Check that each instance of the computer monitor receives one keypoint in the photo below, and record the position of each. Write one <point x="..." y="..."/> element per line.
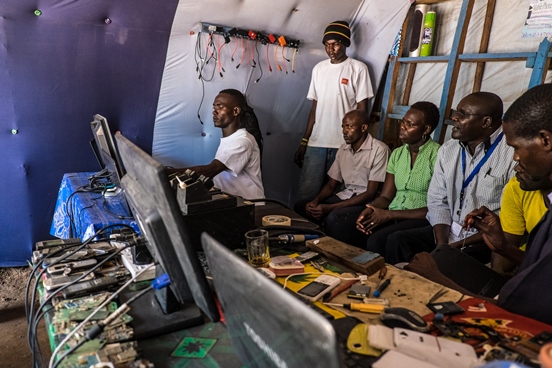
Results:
<point x="105" y="149"/>
<point x="269" y="327"/>
<point x="154" y="206"/>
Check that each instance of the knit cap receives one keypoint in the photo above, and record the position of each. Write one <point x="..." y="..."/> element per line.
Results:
<point x="339" y="31"/>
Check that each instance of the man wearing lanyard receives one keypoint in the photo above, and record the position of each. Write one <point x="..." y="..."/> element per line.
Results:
<point x="471" y="171"/>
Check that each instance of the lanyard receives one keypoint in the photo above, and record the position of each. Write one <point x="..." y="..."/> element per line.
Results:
<point x="477" y="168"/>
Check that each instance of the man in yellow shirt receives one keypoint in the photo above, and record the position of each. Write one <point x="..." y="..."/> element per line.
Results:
<point x="520" y="212"/>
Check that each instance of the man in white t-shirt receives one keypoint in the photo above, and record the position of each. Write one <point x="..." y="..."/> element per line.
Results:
<point x="236" y="168"/>
<point x="338" y="85"/>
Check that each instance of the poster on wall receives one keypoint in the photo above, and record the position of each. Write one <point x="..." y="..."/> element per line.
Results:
<point x="539" y="19"/>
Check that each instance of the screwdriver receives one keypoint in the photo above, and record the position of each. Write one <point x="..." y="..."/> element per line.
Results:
<point x="360" y="307"/>
<point x="381" y="275"/>
<point x="382" y="287"/>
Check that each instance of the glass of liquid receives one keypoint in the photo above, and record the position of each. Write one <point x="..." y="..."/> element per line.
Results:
<point x="257" y="248"/>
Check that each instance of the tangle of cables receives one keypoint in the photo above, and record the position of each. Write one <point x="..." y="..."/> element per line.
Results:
<point x="219" y="46"/>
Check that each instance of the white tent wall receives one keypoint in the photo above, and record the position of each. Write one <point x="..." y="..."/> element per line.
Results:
<point x="507" y="79"/>
<point x="279" y="99"/>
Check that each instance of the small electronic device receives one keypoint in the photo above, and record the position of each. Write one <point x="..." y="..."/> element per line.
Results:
<point x="403" y="318"/>
<point x="446" y="308"/>
<point x="66" y="268"/>
<point x="284" y="266"/>
<point x="56" y="243"/>
<point x="307" y="256"/>
<point x="53" y="282"/>
<point x="318" y="287"/>
<point x="359" y="291"/>
<point x="89" y="286"/>
<point x="267" y="272"/>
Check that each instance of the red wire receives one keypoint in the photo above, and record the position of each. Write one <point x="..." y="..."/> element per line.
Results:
<point x="268" y="59"/>
<point x="276" y="58"/>
<point x="284" y="62"/>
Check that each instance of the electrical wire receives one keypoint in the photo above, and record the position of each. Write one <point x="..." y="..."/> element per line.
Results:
<point x="74" y="331"/>
<point x="293" y="61"/>
<point x="260" y="64"/>
<point x="276" y="57"/>
<point x="29" y="306"/>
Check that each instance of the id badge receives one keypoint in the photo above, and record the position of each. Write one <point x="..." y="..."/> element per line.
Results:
<point x="456" y="229"/>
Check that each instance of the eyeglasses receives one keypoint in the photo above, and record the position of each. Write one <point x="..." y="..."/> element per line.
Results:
<point x="463" y="115"/>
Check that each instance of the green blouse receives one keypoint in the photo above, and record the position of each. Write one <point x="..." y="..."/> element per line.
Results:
<point x="412" y="184"/>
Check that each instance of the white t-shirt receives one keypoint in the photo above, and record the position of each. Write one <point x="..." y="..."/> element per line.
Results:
<point x="240" y="153"/>
<point x="337" y="88"/>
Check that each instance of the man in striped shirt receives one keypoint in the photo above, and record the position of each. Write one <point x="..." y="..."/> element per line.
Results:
<point x="471" y="171"/>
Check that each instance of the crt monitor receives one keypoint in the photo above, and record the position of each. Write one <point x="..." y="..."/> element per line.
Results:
<point x="104" y="146"/>
<point x="154" y="206"/>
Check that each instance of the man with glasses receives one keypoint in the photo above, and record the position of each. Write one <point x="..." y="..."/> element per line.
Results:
<point x="471" y="171"/>
<point x="338" y="85"/>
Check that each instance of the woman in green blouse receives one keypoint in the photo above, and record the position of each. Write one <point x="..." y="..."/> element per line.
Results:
<point x="403" y="199"/>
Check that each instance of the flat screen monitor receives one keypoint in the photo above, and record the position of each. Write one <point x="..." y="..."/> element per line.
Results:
<point x="154" y="206"/>
<point x="104" y="147"/>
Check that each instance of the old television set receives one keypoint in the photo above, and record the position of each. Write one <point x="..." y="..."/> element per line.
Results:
<point x="105" y="150"/>
<point x="154" y="206"/>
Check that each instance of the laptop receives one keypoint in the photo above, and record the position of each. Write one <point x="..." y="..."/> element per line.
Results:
<point x="468" y="272"/>
<point x="268" y="326"/>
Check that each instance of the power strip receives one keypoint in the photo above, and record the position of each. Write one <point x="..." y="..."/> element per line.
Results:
<point x="149" y="274"/>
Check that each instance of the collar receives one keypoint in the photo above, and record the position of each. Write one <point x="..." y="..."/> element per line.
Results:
<point x="487" y="143"/>
<point x="366" y="145"/>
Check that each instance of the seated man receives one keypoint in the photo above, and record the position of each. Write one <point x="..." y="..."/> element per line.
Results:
<point x="470" y="172"/>
<point x="359" y="164"/>
<point x="528" y="129"/>
<point x="520" y="212"/>
<point x="236" y="168"/>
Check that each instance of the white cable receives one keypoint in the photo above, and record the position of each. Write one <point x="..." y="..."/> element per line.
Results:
<point x="70" y="335"/>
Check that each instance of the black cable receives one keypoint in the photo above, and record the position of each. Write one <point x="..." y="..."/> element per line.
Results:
<point x="120" y="217"/>
<point x="30" y="318"/>
<point x="260" y="64"/>
<point x="97" y="329"/>
<point x="47" y="300"/>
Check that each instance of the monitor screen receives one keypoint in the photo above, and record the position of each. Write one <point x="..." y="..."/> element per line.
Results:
<point x="154" y="206"/>
<point x="104" y="147"/>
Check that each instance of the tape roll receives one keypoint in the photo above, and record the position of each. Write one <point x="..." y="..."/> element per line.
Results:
<point x="272" y="220"/>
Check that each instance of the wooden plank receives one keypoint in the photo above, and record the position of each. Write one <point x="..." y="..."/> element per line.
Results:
<point x="484" y="45"/>
<point x="408" y="86"/>
<point x="451" y="75"/>
<point x="542" y="62"/>
<point x="347" y="255"/>
<point x="424" y="59"/>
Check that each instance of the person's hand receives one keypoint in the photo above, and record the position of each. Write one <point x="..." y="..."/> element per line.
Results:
<point x="319" y="211"/>
<point x="488" y="225"/>
<point x="424" y="265"/>
<point x="363" y="221"/>
<point x="299" y="155"/>
<point x="372" y="217"/>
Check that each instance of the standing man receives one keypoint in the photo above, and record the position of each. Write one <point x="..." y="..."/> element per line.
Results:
<point x="360" y="166"/>
<point x="471" y="171"/>
<point x="338" y="85"/>
<point x="236" y="168"/>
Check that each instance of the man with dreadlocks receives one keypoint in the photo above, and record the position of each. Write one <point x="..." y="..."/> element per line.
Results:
<point x="236" y="168"/>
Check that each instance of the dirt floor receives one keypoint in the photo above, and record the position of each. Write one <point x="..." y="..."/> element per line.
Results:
<point x="14" y="349"/>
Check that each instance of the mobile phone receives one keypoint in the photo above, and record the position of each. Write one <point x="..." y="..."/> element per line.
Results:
<point x="318" y="287"/>
<point x="306" y="256"/>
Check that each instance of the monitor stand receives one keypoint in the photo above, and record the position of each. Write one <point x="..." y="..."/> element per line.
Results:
<point x="158" y="313"/>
